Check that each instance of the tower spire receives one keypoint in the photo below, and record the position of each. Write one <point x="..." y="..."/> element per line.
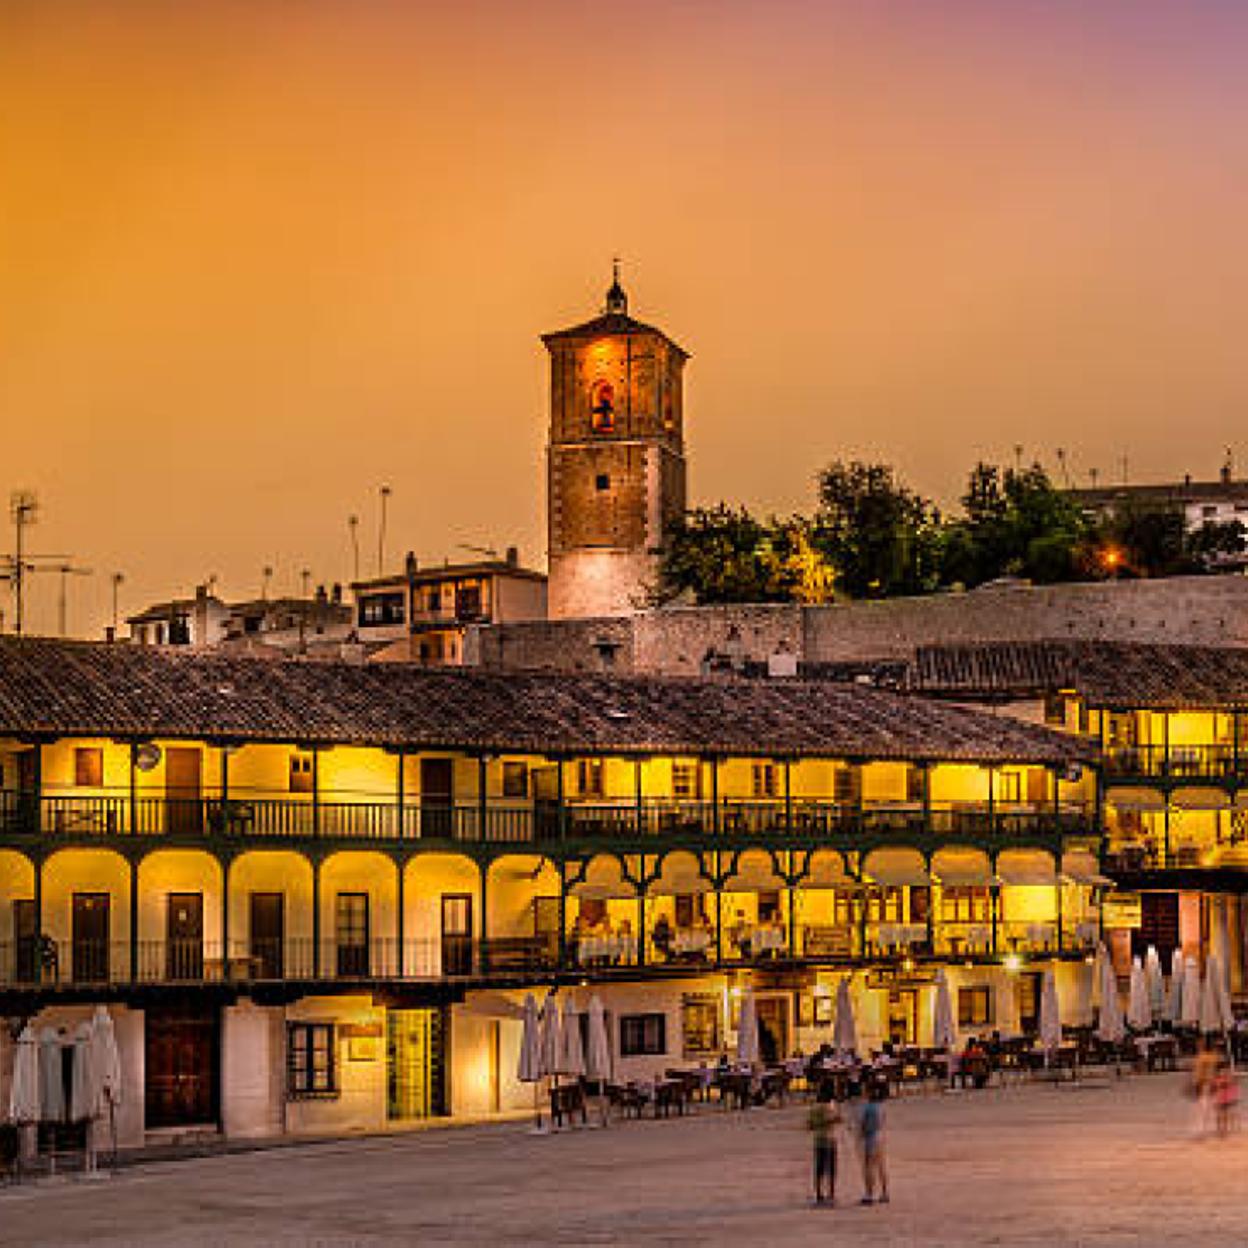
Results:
<point x="617" y="300"/>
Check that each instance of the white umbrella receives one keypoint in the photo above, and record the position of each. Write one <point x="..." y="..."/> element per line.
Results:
<point x="1050" y="1017"/>
<point x="845" y="1032"/>
<point x="84" y="1093"/>
<point x="1110" y="1027"/>
<point x="551" y="1048"/>
<point x="530" y="1070"/>
<point x="1139" y="1010"/>
<point x="1084" y="1008"/>
<point x="24" y="1090"/>
<point x="105" y="1063"/>
<point x="1224" y="997"/>
<point x="747" y="1031"/>
<point x="1098" y="975"/>
<point x="1210" y="1007"/>
<point x="1191" y="993"/>
<point x="571" y="1050"/>
<point x="1155" y="982"/>
<point x="944" y="1034"/>
<point x="598" y="1052"/>
<point x="1174" y="998"/>
<point x="51" y="1077"/>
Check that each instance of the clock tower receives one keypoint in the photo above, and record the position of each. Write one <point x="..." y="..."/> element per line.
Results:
<point x="615" y="459"/>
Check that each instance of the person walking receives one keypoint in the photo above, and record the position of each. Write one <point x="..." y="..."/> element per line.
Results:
<point x="823" y="1122"/>
<point x="1200" y="1088"/>
<point x="871" y="1137"/>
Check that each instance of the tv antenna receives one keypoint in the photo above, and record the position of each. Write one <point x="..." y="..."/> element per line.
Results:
<point x="65" y="571"/>
<point x="15" y="568"/>
<point x="487" y="552"/>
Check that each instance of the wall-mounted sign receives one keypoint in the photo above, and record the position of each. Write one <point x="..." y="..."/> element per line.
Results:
<point x="1122" y="910"/>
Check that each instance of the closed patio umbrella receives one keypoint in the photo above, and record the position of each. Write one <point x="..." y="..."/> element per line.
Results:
<point x="944" y="1034"/>
<point x="1139" y="1010"/>
<point x="1154" y="981"/>
<point x="1191" y="993"/>
<point x="845" y="1032"/>
<point x="1085" y="1011"/>
<point x="530" y="1066"/>
<point x="551" y="1048"/>
<point x="1224" y="997"/>
<point x="1050" y="1016"/>
<point x="107" y="1090"/>
<point x="24" y="1089"/>
<point x="83" y="1091"/>
<point x="1098" y="974"/>
<point x="106" y="1062"/>
<point x="747" y="1031"/>
<point x="530" y="1069"/>
<point x="571" y="1050"/>
<point x="1210" y="1011"/>
<point x="1110" y="1028"/>
<point x="598" y="1051"/>
<point x="51" y="1077"/>
<point x="1174" y="998"/>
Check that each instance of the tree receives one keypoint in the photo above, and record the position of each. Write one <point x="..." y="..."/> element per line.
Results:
<point x="880" y="536"/>
<point x="1015" y="522"/>
<point x="723" y="555"/>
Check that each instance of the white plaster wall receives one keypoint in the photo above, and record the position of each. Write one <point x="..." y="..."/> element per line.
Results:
<point x="252" y="1068"/>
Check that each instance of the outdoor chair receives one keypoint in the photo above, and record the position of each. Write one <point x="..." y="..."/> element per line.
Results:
<point x="10" y="1151"/>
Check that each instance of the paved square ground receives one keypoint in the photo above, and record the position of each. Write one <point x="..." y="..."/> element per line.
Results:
<point x="1100" y="1164"/>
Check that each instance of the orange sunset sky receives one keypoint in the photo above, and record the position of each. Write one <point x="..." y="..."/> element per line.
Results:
<point x="258" y="258"/>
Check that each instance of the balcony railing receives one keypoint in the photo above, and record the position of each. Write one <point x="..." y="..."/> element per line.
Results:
<point x="1176" y="762"/>
<point x="59" y="965"/>
<point x="517" y="823"/>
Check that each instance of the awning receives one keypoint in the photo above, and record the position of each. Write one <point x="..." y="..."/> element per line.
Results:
<point x="1081" y="867"/>
<point x="1135" y="799"/>
<point x="1026" y="867"/>
<point x="603" y="881"/>
<point x="826" y="869"/>
<point x="960" y="868"/>
<point x="1193" y="798"/>
<point x="755" y="873"/>
<point x="897" y="867"/>
<point x="680" y="874"/>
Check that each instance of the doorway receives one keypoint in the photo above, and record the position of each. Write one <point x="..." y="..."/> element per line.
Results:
<point x="182" y="1060"/>
<point x="90" y="937"/>
<point x="351" y="929"/>
<point x="184" y="937"/>
<point x="25" y="941"/>
<point x="456" y="934"/>
<point x="415" y="1079"/>
<point x="1029" y="987"/>
<point x="183" y="778"/>
<point x="437" y="789"/>
<point x="903" y="1016"/>
<point x="773" y="1028"/>
<point x="268" y="929"/>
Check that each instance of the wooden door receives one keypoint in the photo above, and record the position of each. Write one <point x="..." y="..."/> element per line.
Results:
<point x="183" y="776"/>
<point x="268" y="931"/>
<point x="25" y="941"/>
<point x="352" y="931"/>
<point x="1029" y="987"/>
<point x="184" y="937"/>
<point x="437" y="789"/>
<point x="182" y="1059"/>
<point x="90" y="937"/>
<point x="456" y="934"/>
<point x="903" y="1016"/>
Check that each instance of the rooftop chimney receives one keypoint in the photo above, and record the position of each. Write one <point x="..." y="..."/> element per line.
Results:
<point x="513" y="556"/>
<point x="1227" y="466"/>
<point x="409" y="563"/>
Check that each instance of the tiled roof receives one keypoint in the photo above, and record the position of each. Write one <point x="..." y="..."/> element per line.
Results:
<point x="1110" y="674"/>
<point x="606" y="325"/>
<point x="91" y="689"/>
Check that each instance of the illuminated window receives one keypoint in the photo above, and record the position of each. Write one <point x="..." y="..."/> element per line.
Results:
<point x="515" y="780"/>
<point x="589" y="779"/>
<point x="699" y="1024"/>
<point x="301" y="773"/>
<point x="602" y="482"/>
<point x="602" y="407"/>
<point x="89" y="767"/>
<point x="643" y="1035"/>
<point x="311" y="1066"/>
<point x="974" y="1007"/>
<point x="686" y="781"/>
<point x="765" y="780"/>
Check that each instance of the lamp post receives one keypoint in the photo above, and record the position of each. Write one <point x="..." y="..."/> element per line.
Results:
<point x="384" y="497"/>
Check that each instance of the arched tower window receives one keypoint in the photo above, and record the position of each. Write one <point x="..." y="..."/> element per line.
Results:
<point x="602" y="407"/>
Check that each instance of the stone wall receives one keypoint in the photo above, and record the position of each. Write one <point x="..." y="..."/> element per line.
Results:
<point x="1195" y="610"/>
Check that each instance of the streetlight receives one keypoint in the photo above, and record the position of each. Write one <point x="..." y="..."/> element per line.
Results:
<point x="117" y="580"/>
<point x="384" y="492"/>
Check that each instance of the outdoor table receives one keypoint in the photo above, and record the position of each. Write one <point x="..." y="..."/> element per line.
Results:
<point x="1158" y="1052"/>
<point x="566" y="1100"/>
<point x="669" y="1094"/>
<point x="735" y="1087"/>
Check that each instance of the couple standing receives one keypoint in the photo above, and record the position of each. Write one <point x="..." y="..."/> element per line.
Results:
<point x="825" y="1122"/>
